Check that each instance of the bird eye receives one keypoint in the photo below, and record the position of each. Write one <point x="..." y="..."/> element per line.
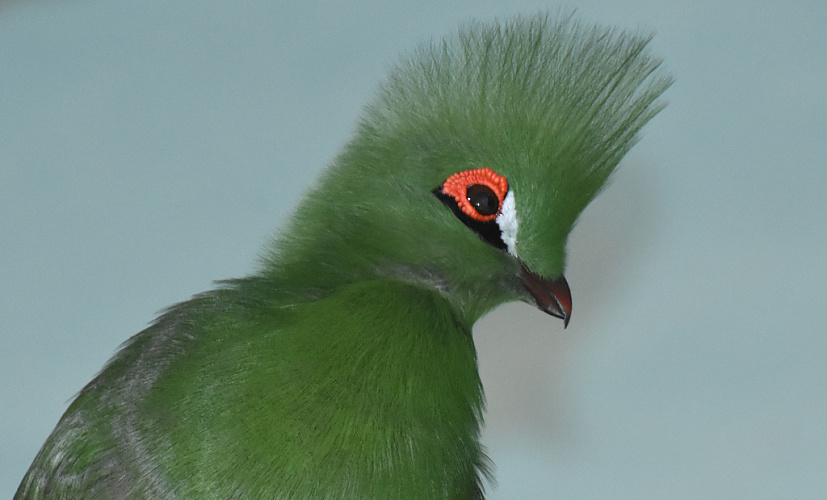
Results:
<point x="483" y="199"/>
<point x="477" y="197"/>
<point x="477" y="193"/>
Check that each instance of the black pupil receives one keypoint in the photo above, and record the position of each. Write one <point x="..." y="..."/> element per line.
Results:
<point x="483" y="199"/>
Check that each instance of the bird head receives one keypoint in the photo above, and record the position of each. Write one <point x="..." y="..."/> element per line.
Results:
<point x="470" y="168"/>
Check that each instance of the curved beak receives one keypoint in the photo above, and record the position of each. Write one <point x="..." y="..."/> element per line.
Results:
<point x="552" y="296"/>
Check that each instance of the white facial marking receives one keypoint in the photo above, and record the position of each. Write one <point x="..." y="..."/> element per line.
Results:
<point x="507" y="220"/>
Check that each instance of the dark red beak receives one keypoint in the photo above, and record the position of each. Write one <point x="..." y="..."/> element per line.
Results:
<point x="552" y="296"/>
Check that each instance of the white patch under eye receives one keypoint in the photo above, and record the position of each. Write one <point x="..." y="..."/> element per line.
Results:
<point x="507" y="220"/>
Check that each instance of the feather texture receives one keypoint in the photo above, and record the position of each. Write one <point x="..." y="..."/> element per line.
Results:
<point x="345" y="367"/>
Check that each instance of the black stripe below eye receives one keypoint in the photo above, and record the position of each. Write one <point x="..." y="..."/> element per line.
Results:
<point x="489" y="231"/>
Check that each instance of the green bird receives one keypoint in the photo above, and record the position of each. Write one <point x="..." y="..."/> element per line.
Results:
<point x="345" y="367"/>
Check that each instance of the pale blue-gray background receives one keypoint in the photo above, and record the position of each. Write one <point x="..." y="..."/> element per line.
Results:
<point x="149" y="147"/>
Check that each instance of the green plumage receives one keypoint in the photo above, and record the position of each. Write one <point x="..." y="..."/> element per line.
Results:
<point x="345" y="367"/>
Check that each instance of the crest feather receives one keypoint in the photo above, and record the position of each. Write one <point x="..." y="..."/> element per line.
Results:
<point x="559" y="92"/>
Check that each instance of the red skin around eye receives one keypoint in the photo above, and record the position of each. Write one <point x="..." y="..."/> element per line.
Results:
<point x="457" y="186"/>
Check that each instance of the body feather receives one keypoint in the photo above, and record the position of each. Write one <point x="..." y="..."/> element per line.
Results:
<point x="345" y="367"/>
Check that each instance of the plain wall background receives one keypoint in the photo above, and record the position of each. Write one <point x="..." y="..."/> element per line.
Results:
<point x="150" y="147"/>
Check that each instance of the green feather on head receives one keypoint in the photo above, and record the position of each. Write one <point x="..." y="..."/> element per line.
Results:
<point x="345" y="367"/>
<point x="552" y="106"/>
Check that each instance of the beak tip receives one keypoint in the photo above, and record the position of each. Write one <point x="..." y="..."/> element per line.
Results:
<point x="560" y="312"/>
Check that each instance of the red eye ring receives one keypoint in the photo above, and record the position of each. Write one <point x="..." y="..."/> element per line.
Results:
<point x="457" y="187"/>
